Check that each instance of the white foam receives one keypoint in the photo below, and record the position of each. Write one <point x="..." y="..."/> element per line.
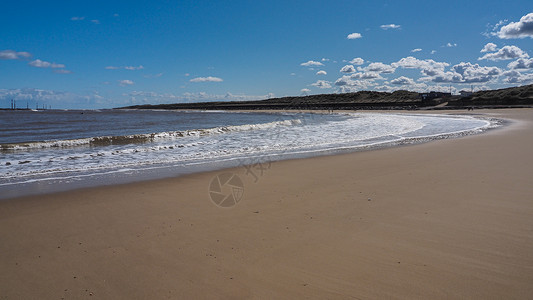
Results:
<point x="302" y="135"/>
<point x="151" y="137"/>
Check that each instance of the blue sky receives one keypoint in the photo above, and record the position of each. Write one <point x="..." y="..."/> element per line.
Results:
<point x="102" y="54"/>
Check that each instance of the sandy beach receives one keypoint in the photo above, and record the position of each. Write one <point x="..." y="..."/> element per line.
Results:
<point x="449" y="219"/>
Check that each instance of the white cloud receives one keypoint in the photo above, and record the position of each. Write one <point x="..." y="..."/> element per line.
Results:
<point x="206" y="79"/>
<point x="62" y="71"/>
<point x="390" y="26"/>
<point x="465" y="72"/>
<point x="311" y="63"/>
<point x="475" y="73"/>
<point x="347" y="84"/>
<point x="427" y="67"/>
<point x="57" y="99"/>
<point x="521" y="63"/>
<point x="402" y="80"/>
<point x="353" y="36"/>
<point x="433" y="51"/>
<point x="348" y="69"/>
<point x="517" y="77"/>
<point x="505" y="53"/>
<point x="493" y="31"/>
<point x="378" y="67"/>
<point x="451" y="45"/>
<point x="10" y="54"/>
<point x="76" y="18"/>
<point x="141" y="97"/>
<point x="357" y="61"/>
<point x="323" y="84"/>
<point x="44" y="64"/>
<point x="321" y="72"/>
<point x="125" y="82"/>
<point x="134" y="68"/>
<point x="489" y="47"/>
<point x="366" y="75"/>
<point x="153" y="75"/>
<point x="325" y="59"/>
<point x="520" y="29"/>
<point x="305" y="91"/>
<point x="131" y="68"/>
<point x="416" y="50"/>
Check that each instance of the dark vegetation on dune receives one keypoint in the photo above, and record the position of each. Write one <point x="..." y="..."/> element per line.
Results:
<point x="509" y="97"/>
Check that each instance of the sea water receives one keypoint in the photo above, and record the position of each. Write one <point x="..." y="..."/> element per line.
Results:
<point x="46" y="151"/>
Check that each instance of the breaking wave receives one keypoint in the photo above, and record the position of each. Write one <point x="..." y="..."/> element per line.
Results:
<point x="143" y="138"/>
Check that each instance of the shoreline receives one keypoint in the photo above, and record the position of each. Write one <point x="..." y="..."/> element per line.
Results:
<point x="445" y="219"/>
<point x="130" y="175"/>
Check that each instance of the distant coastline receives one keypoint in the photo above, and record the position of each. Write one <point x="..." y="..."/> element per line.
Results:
<point x="513" y="97"/>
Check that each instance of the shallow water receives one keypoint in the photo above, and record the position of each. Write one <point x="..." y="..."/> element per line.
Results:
<point x="56" y="150"/>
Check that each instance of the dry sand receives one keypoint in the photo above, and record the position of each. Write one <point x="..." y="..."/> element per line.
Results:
<point x="448" y="219"/>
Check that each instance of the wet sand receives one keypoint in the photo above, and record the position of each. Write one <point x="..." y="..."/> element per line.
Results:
<point x="443" y="220"/>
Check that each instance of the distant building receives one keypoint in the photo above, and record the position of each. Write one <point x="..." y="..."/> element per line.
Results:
<point x="434" y="95"/>
<point x="465" y="93"/>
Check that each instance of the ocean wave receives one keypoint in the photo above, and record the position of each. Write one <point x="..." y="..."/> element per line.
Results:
<point x="143" y="138"/>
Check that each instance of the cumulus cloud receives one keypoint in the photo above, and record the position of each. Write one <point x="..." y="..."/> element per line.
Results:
<point x="10" y="55"/>
<point x="366" y="75"/>
<point x="517" y="77"/>
<point x="427" y="67"/>
<point x="390" y="26"/>
<point x="402" y="80"/>
<point x="416" y="50"/>
<point x="521" y="63"/>
<point x="348" y="69"/>
<point x="489" y="47"/>
<point x="44" y="64"/>
<point x="305" y="91"/>
<point x="378" y="67"/>
<point x="465" y="72"/>
<point x="323" y="84"/>
<point x="417" y="87"/>
<point x="357" y="61"/>
<point x="520" y="29"/>
<point x="505" y="53"/>
<point x="475" y="73"/>
<point x="433" y="51"/>
<point x="311" y="63"/>
<point x="125" y="82"/>
<point x="348" y="84"/>
<point x="451" y="45"/>
<point x="353" y="36"/>
<point x="206" y="79"/>
<point x="321" y="72"/>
